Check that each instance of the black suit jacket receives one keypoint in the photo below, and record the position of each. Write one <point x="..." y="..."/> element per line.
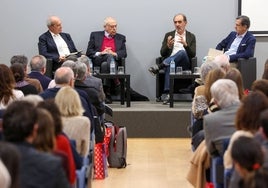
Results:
<point x="96" y="40"/>
<point x="47" y="47"/>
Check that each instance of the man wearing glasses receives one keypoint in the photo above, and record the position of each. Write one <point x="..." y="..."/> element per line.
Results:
<point x="103" y="46"/>
<point x="239" y="43"/>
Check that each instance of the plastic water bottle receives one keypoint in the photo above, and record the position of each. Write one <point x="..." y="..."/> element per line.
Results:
<point x="112" y="66"/>
<point x="172" y="67"/>
<point x="91" y="65"/>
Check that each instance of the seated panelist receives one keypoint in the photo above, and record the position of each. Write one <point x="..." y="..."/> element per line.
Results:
<point x="54" y="44"/>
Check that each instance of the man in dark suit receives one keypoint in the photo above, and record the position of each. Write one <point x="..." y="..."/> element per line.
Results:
<point x="37" y="169"/>
<point x="178" y="45"/>
<point x="103" y="46"/>
<point x="38" y="69"/>
<point x="239" y="43"/>
<point x="54" y="44"/>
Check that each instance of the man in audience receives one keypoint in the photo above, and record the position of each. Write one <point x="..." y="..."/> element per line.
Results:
<point x="239" y="43"/>
<point x="24" y="61"/>
<point x="91" y="80"/>
<point x="178" y="45"/>
<point x="103" y="46"/>
<point x="54" y="44"/>
<point x="38" y="69"/>
<point x="36" y="169"/>
<point x="220" y="124"/>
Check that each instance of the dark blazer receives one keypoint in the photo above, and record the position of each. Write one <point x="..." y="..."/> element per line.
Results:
<point x="245" y="49"/>
<point x="44" y="80"/>
<point x="190" y="48"/>
<point x="47" y="47"/>
<point x="95" y="43"/>
<point x="39" y="169"/>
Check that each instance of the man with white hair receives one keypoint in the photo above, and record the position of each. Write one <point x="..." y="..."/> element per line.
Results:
<point x="220" y="124"/>
<point x="103" y="46"/>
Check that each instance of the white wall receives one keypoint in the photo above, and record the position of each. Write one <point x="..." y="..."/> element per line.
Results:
<point x="144" y="22"/>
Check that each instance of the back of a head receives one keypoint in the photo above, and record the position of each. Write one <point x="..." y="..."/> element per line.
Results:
<point x="265" y="71"/>
<point x="34" y="99"/>
<point x="81" y="69"/>
<point x="260" y="85"/>
<point x="222" y="61"/>
<point x="69" y="102"/>
<point x="18" y="121"/>
<point x="235" y="75"/>
<point x="84" y="59"/>
<point x="205" y="68"/>
<point x="38" y="63"/>
<point x="18" y="72"/>
<point x="225" y="92"/>
<point x="247" y="116"/>
<point x="63" y="75"/>
<point x="19" y="59"/>
<point x="264" y="122"/>
<point x="7" y="83"/>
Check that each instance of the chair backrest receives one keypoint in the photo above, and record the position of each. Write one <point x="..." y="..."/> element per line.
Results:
<point x="247" y="67"/>
<point x="49" y="71"/>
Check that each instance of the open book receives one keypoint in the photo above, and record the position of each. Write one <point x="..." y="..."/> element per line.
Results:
<point x="74" y="53"/>
<point x="212" y="53"/>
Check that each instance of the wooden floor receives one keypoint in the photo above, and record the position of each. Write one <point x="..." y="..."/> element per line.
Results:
<point x="152" y="163"/>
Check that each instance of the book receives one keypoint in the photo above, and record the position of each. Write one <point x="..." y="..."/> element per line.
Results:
<point x="74" y="53"/>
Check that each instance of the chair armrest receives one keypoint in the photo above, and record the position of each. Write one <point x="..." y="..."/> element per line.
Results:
<point x="247" y="67"/>
<point x="193" y="63"/>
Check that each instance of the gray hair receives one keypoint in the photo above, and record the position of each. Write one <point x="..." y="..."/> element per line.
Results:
<point x="81" y="69"/>
<point x="225" y="92"/>
<point x="38" y="62"/>
<point x="84" y="59"/>
<point x="108" y="20"/>
<point x="222" y="61"/>
<point x="205" y="68"/>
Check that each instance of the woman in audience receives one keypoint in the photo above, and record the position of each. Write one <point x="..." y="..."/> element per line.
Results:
<point x="247" y="121"/>
<point x="45" y="140"/>
<point x="62" y="143"/>
<point x="260" y="85"/>
<point x="9" y="155"/>
<point x="75" y="125"/>
<point x="21" y="83"/>
<point x="8" y="93"/>
<point x="248" y="158"/>
<point x="235" y="75"/>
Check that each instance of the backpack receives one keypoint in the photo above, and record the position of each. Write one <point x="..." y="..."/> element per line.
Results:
<point x="118" y="146"/>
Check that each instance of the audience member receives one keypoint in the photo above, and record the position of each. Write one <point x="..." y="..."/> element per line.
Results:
<point x="220" y="124"/>
<point x="45" y="141"/>
<point x="92" y="92"/>
<point x="178" y="45"/>
<point x="24" y="61"/>
<point x="10" y="157"/>
<point x="63" y="143"/>
<point x="103" y="46"/>
<point x="36" y="169"/>
<point x="76" y="126"/>
<point x="91" y="80"/>
<point x="38" y="70"/>
<point x="248" y="158"/>
<point x="260" y="85"/>
<point x="235" y="75"/>
<point x="54" y="44"/>
<point x="21" y="83"/>
<point x="34" y="99"/>
<point x="246" y="121"/>
<point x="239" y="43"/>
<point x="7" y="84"/>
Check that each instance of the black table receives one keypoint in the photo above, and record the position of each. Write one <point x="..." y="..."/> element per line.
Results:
<point x="125" y="82"/>
<point x="172" y="77"/>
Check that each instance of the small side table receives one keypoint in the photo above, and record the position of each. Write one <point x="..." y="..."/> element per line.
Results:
<point x="123" y="77"/>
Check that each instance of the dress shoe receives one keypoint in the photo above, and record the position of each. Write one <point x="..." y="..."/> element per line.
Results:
<point x="153" y="70"/>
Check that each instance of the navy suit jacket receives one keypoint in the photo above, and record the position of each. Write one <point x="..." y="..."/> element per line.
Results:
<point x="44" y="80"/>
<point x="47" y="47"/>
<point x="245" y="49"/>
<point x="96" y="40"/>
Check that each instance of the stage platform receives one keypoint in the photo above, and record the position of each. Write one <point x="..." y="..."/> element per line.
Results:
<point x="152" y="119"/>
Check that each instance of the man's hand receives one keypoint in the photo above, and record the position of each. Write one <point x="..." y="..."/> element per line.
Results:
<point x="170" y="42"/>
<point x="108" y="50"/>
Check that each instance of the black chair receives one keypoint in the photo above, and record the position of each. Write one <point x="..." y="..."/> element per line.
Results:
<point x="49" y="71"/>
<point x="247" y="67"/>
<point x="160" y="79"/>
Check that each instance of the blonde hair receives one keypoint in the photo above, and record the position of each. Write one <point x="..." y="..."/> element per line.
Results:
<point x="69" y="103"/>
